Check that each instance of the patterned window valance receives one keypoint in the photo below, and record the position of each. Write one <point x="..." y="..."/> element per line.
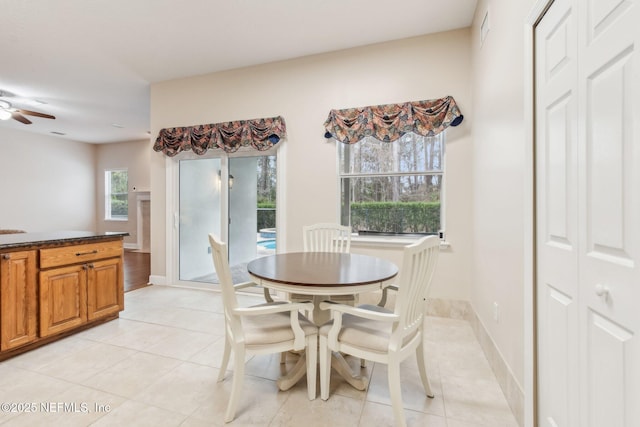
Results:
<point x="260" y="134"/>
<point x="389" y="122"/>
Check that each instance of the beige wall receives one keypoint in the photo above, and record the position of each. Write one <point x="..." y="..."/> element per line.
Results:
<point x="499" y="176"/>
<point x="52" y="184"/>
<point x="48" y="183"/>
<point x="303" y="91"/>
<point x="133" y="156"/>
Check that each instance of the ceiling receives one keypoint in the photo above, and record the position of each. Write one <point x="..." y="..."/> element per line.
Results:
<point x="90" y="62"/>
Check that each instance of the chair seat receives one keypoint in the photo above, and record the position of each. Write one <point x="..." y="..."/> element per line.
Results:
<point x="363" y="333"/>
<point x="273" y="328"/>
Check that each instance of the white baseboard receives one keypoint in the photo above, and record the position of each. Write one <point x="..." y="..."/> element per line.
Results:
<point x="454" y="309"/>
<point x="158" y="280"/>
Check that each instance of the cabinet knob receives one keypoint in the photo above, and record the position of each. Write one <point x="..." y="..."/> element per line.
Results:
<point x="6" y="256"/>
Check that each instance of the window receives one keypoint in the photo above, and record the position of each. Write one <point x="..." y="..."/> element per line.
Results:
<point x="392" y="188"/>
<point x="116" y="195"/>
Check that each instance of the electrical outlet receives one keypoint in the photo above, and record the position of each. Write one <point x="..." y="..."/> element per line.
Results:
<point x="496" y="312"/>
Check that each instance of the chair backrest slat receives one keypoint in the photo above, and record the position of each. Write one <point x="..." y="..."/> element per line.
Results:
<point x="419" y="262"/>
<point x="326" y="237"/>
<point x="223" y="271"/>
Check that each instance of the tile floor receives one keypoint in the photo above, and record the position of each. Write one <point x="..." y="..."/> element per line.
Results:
<point x="157" y="366"/>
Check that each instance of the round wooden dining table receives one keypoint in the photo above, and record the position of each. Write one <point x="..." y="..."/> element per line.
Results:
<point x="321" y="275"/>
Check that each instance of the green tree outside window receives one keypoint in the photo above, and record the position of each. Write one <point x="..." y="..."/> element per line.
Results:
<point x="117" y="200"/>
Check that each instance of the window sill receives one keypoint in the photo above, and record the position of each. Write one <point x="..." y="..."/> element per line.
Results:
<point x="116" y="219"/>
<point x="389" y="241"/>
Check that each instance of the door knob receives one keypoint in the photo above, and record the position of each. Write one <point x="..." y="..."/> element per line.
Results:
<point x="602" y="290"/>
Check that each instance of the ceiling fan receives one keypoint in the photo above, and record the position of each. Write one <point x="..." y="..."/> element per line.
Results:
<point x="8" y="111"/>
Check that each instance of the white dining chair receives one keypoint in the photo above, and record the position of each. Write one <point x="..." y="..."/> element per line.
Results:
<point x="261" y="329"/>
<point x="326" y="237"/>
<point x="374" y="333"/>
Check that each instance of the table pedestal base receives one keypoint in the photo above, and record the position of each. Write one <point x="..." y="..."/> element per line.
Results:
<point x="337" y="363"/>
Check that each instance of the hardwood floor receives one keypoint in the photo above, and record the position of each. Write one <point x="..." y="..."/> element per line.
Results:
<point x="137" y="267"/>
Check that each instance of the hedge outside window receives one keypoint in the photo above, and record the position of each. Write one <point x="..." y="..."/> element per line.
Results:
<point x="117" y="195"/>
<point x="392" y="188"/>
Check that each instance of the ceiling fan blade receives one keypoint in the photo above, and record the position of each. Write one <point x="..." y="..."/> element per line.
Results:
<point x="19" y="117"/>
<point x="35" y="113"/>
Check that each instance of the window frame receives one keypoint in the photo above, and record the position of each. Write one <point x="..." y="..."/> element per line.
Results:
<point x="394" y="238"/>
<point x="108" y="194"/>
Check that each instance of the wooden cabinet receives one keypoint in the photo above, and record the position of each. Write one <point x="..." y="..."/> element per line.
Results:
<point x="105" y="288"/>
<point x="90" y="288"/>
<point x="63" y="295"/>
<point x="76" y="254"/>
<point x="52" y="285"/>
<point x="18" y="275"/>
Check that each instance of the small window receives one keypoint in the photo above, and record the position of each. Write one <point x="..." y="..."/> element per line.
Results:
<point x="116" y="195"/>
<point x="392" y="188"/>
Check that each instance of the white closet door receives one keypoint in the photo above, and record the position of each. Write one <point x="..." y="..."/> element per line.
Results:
<point x="557" y="215"/>
<point x="588" y="213"/>
<point x="609" y="211"/>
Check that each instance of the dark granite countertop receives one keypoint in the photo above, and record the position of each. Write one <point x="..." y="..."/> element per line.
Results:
<point x="11" y="241"/>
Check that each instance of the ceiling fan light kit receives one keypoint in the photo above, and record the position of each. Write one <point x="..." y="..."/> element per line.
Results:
<point x="7" y="111"/>
<point x="4" y="113"/>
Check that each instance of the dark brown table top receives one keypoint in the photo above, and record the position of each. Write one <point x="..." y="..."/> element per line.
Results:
<point x="322" y="269"/>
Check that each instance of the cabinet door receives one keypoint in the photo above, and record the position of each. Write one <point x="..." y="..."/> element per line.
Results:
<point x="105" y="288"/>
<point x="63" y="299"/>
<point x="18" y="296"/>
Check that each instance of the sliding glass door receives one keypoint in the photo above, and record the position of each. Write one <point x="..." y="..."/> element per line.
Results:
<point x="200" y="213"/>
<point x="235" y="198"/>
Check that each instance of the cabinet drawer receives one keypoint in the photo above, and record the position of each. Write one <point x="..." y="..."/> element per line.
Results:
<point x="54" y="257"/>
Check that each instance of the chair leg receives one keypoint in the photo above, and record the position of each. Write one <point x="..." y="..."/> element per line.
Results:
<point x="312" y="365"/>
<point x="283" y="357"/>
<point x="395" y="391"/>
<point x="422" y="367"/>
<point x="267" y="295"/>
<point x="236" y="387"/>
<point x="225" y="359"/>
<point x="383" y="299"/>
<point x="325" y="368"/>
